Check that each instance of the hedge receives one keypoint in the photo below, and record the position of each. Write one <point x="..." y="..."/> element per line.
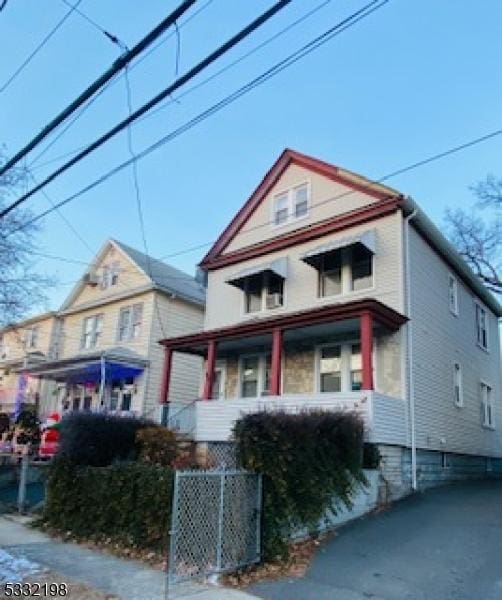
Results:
<point x="129" y="503"/>
<point x="311" y="462"/>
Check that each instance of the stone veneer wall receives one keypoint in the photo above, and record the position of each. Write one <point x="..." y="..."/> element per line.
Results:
<point x="298" y="370"/>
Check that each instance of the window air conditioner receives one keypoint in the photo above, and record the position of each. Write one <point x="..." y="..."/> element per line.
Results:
<point x="91" y="279"/>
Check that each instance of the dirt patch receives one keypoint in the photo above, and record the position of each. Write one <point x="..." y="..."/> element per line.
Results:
<point x="76" y="590"/>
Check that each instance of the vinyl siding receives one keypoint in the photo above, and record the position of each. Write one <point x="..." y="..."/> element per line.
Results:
<point x="440" y="339"/>
<point x="225" y="302"/>
<point x="259" y="226"/>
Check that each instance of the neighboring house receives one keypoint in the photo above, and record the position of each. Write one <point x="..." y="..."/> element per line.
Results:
<point x="107" y="354"/>
<point x="24" y="345"/>
<point x="327" y="290"/>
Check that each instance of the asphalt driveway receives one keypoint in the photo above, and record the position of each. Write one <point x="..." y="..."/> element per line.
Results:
<point x="444" y="544"/>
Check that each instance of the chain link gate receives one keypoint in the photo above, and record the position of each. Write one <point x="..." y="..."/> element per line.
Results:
<point x="215" y="524"/>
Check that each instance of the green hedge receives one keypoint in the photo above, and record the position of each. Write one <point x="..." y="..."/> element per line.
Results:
<point x="310" y="462"/>
<point x="130" y="503"/>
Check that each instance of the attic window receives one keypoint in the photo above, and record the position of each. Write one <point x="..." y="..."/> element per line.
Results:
<point x="291" y="204"/>
<point x="110" y="275"/>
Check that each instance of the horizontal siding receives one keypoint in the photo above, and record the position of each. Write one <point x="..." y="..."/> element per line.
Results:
<point x="225" y="302"/>
<point x="389" y="420"/>
<point x="440" y="339"/>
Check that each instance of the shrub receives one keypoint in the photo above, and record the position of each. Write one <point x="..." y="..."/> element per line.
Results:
<point x="371" y="456"/>
<point x="310" y="462"/>
<point x="157" y="445"/>
<point x="128" y="503"/>
<point x="97" y="439"/>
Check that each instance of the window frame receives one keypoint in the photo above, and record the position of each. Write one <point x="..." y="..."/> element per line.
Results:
<point x="290" y="194"/>
<point x="95" y="333"/>
<point x="262" y="367"/>
<point x="263" y="296"/>
<point x="458" y="372"/>
<point x="221" y="366"/>
<point x="130" y="310"/>
<point x="481" y="309"/>
<point x="455" y="308"/>
<point x="31" y="337"/>
<point x="346" y="365"/>
<point x="490" y="422"/>
<point x="346" y="280"/>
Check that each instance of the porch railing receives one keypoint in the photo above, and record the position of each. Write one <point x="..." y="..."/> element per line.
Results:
<point x="180" y="417"/>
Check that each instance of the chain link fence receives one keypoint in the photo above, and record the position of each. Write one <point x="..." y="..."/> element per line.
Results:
<point x="216" y="521"/>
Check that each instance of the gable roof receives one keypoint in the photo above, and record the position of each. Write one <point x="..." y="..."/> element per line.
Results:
<point x="162" y="276"/>
<point x="288" y="157"/>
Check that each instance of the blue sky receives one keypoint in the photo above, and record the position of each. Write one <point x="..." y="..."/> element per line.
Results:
<point x="411" y="80"/>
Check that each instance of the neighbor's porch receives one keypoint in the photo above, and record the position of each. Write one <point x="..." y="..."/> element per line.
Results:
<point x="324" y="358"/>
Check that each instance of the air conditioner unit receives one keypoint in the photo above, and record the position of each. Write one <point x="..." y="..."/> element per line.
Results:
<point x="91" y="279"/>
<point x="274" y="300"/>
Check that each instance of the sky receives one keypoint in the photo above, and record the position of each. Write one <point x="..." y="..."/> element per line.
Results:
<point x="411" y="80"/>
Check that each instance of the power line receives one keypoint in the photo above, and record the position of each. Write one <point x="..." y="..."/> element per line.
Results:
<point x="198" y="85"/>
<point x="190" y="74"/>
<point x="277" y="68"/>
<point x="117" y="66"/>
<point x="32" y="55"/>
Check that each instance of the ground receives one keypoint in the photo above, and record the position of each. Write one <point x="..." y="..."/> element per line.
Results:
<point x="444" y="544"/>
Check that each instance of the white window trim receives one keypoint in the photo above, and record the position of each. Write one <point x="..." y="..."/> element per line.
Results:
<point x="245" y="314"/>
<point x="262" y="365"/>
<point x="484" y="422"/>
<point x="291" y="205"/>
<point x="485" y="310"/>
<point x="460" y="403"/>
<point x="221" y="365"/>
<point x="445" y="463"/>
<point x="345" y="355"/>
<point x="347" y="290"/>
<point x="94" y="338"/>
<point x="130" y="324"/>
<point x="453" y="309"/>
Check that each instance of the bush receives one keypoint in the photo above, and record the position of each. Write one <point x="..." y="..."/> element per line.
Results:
<point x="128" y="503"/>
<point x="310" y="462"/>
<point x="97" y="439"/>
<point x="371" y="456"/>
<point x="157" y="445"/>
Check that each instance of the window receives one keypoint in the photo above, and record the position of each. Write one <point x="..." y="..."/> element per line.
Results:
<point x="250" y="377"/>
<point x="345" y="267"/>
<point x="130" y="318"/>
<point x="486" y="405"/>
<point x="301" y="200"/>
<point x="356" y="372"/>
<point x="445" y="463"/>
<point x="31" y="337"/>
<point x="291" y="205"/>
<point x="218" y="391"/>
<point x="330" y="369"/>
<point x="110" y="275"/>
<point x="3" y="348"/>
<point x="453" y="294"/>
<point x="330" y="274"/>
<point x="281" y="209"/>
<point x="481" y="327"/>
<point x="263" y="291"/>
<point x="87" y="402"/>
<point x="457" y="385"/>
<point x="92" y="330"/>
<point x="362" y="275"/>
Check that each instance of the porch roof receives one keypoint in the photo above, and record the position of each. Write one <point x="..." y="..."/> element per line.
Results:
<point x="382" y="314"/>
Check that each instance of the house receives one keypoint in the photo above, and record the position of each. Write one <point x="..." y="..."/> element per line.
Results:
<point x="104" y="353"/>
<point x="327" y="290"/>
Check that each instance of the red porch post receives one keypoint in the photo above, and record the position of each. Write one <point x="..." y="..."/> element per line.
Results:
<point x="275" y="367"/>
<point x="209" y="372"/>
<point x="166" y="375"/>
<point x="366" y="324"/>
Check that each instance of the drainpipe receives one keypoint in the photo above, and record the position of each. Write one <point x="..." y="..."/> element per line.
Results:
<point x="102" y="383"/>
<point x="409" y="336"/>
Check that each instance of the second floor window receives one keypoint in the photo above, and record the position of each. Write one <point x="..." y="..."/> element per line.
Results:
<point x="31" y="337"/>
<point x="486" y="405"/>
<point x="453" y="294"/>
<point x="263" y="291"/>
<point x="92" y="330"/>
<point x="481" y="327"/>
<point x="355" y="262"/>
<point x="130" y="318"/>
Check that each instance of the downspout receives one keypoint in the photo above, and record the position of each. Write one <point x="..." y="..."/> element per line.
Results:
<point x="409" y="339"/>
<point x="102" y="383"/>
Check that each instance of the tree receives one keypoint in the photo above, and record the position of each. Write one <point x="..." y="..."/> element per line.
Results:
<point x="477" y="235"/>
<point x="21" y="287"/>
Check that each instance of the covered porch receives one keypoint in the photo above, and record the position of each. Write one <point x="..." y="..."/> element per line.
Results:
<point x="106" y="381"/>
<point x="325" y="358"/>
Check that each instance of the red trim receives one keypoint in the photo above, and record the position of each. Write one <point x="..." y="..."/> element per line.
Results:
<point x="383" y="314"/>
<point x="366" y="324"/>
<point x="207" y="392"/>
<point x="166" y="375"/>
<point x="275" y="367"/>
<point x="356" y="217"/>
<point x="282" y="163"/>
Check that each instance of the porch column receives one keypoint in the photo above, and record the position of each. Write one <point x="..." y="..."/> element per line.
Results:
<point x="366" y="324"/>
<point x="275" y="366"/>
<point x="166" y="375"/>
<point x="209" y="372"/>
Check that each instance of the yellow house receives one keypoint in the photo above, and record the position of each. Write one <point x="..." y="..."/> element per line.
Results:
<point x="105" y="354"/>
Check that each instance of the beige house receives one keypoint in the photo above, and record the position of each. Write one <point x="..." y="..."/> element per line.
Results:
<point x="330" y="291"/>
<point x="104" y="352"/>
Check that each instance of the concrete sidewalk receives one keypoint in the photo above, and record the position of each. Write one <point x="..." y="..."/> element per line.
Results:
<point x="128" y="579"/>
